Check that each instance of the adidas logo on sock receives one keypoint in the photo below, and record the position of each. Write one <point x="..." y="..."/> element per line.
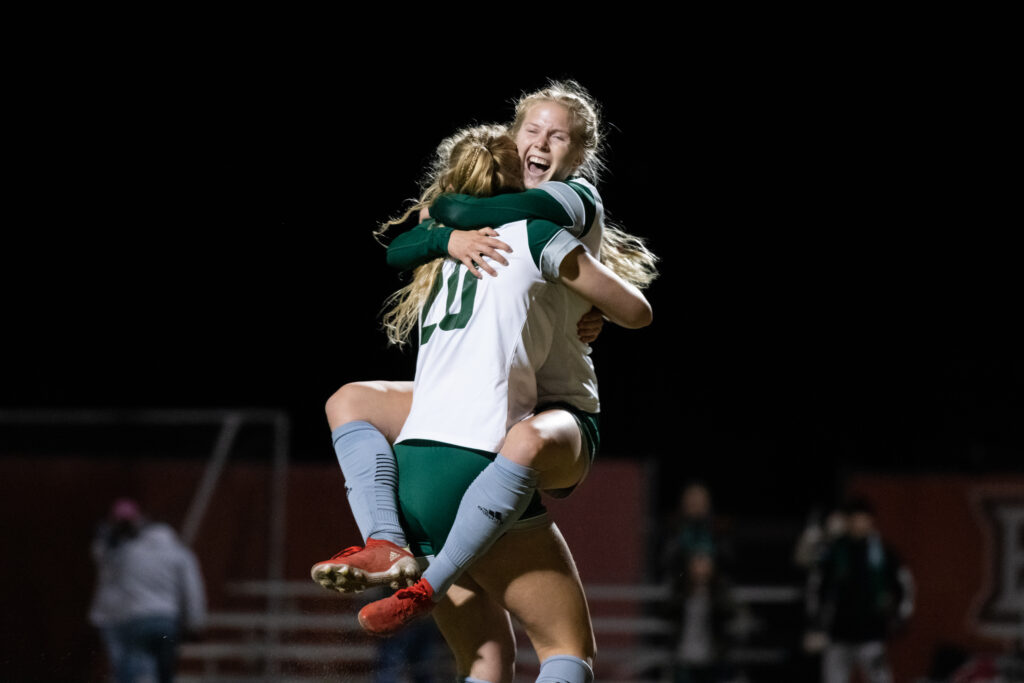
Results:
<point x="394" y="556"/>
<point x="492" y="514"/>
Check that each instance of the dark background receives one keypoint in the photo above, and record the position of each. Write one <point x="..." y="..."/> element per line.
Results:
<point x="837" y="292"/>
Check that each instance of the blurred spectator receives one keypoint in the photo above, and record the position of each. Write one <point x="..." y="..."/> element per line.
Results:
<point x="149" y="594"/>
<point x="701" y="604"/>
<point x="413" y="654"/>
<point x="703" y="612"/>
<point x="816" y="538"/>
<point x="858" y="595"/>
<point x="695" y="529"/>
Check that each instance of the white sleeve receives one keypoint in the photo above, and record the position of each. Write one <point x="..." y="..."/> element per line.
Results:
<point x="555" y="252"/>
<point x="571" y="202"/>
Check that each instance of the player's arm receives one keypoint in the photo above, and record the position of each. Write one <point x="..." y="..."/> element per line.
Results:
<point x="563" y="258"/>
<point x="621" y="302"/>
<point x="428" y="241"/>
<point x="570" y="205"/>
<point x="556" y="202"/>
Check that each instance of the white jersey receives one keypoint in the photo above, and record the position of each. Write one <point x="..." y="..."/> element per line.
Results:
<point x="568" y="373"/>
<point x="482" y="339"/>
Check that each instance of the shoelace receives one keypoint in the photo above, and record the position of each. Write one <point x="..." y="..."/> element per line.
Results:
<point x="414" y="592"/>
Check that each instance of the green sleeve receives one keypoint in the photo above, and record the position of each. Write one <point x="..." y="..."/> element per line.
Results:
<point x="465" y="211"/>
<point x="418" y="246"/>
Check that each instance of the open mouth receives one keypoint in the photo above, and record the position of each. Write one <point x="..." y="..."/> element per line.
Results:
<point x="537" y="165"/>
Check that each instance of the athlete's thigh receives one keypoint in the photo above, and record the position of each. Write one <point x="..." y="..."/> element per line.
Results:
<point x="531" y="573"/>
<point x="550" y="442"/>
<point x="383" y="404"/>
<point x="478" y="631"/>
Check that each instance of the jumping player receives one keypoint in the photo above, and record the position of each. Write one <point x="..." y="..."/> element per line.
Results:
<point x="559" y="440"/>
<point x="495" y="330"/>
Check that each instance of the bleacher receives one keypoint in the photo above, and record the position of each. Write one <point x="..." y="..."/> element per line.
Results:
<point x="298" y="632"/>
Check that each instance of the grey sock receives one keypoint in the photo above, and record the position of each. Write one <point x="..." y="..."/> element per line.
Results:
<point x="492" y="503"/>
<point x="565" y="669"/>
<point x="371" y="480"/>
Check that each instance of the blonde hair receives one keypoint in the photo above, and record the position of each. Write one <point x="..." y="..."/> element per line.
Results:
<point x="584" y="122"/>
<point x="625" y="254"/>
<point x="628" y="256"/>
<point x="479" y="161"/>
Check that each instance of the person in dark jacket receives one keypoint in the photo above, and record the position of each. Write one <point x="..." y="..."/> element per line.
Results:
<point x="859" y="593"/>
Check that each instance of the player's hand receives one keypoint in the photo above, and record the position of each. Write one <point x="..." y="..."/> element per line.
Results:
<point x="590" y="325"/>
<point x="470" y="246"/>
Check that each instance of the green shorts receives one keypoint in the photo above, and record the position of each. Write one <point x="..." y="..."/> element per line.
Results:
<point x="432" y="478"/>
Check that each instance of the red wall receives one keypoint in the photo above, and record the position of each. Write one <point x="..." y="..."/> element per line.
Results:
<point x="937" y="526"/>
<point x="50" y="508"/>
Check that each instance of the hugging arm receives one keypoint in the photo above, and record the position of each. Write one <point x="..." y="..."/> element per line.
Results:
<point x="465" y="211"/>
<point x="428" y="241"/>
<point x="466" y="236"/>
<point x="621" y="302"/>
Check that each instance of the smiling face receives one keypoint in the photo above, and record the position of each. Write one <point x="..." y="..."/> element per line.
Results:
<point x="545" y="144"/>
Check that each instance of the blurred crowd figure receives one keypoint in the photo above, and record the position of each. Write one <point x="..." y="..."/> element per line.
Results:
<point x="701" y="605"/>
<point x="859" y="594"/>
<point x="149" y="594"/>
<point x="413" y="654"/>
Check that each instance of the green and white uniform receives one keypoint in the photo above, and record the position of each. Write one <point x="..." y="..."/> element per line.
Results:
<point x="567" y="376"/>
<point x="482" y="339"/>
<point x="428" y="501"/>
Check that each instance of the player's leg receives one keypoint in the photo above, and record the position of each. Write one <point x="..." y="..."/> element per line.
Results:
<point x="552" y="443"/>
<point x="545" y="451"/>
<point x="492" y="503"/>
<point x="479" y="633"/>
<point x="530" y="572"/>
<point x="383" y="404"/>
<point x="365" y="417"/>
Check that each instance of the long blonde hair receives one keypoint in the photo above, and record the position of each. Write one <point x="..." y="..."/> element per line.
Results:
<point x="625" y="254"/>
<point x="481" y="161"/>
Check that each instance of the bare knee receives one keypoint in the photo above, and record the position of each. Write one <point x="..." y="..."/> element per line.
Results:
<point x="524" y="444"/>
<point x="343" y="405"/>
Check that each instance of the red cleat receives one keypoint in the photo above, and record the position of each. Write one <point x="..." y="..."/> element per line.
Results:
<point x="356" y="569"/>
<point x="387" y="616"/>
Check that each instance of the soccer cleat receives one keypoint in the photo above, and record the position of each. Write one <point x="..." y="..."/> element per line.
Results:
<point x="387" y="616"/>
<point x="355" y="569"/>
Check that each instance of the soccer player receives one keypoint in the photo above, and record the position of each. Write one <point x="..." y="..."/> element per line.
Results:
<point x="556" y="134"/>
<point x="479" y="342"/>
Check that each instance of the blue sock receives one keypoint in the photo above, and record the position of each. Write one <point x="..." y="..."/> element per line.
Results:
<point x="565" y="669"/>
<point x="495" y="499"/>
<point x="371" y="480"/>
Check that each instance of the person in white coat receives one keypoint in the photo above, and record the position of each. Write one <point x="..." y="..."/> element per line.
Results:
<point x="149" y="594"/>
